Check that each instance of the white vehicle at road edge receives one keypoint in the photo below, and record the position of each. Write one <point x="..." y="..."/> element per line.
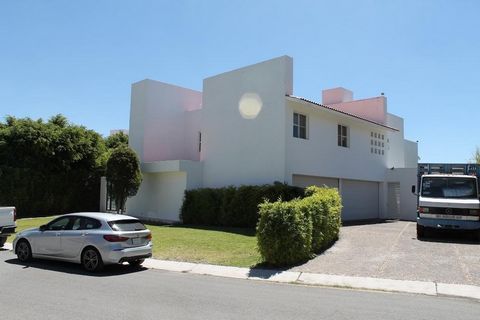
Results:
<point x="92" y="239"/>
<point x="8" y="216"/>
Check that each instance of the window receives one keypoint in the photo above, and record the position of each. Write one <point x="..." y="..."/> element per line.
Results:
<point x="126" y="225"/>
<point x="59" y="224"/>
<point x="342" y="136"/>
<point x="199" y="142"/>
<point x="299" y="126"/>
<point x="83" y="223"/>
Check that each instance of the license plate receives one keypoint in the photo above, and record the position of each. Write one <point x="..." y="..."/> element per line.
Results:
<point x="137" y="241"/>
<point x="448" y="217"/>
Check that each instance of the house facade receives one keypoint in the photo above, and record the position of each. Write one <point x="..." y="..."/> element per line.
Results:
<point x="248" y="127"/>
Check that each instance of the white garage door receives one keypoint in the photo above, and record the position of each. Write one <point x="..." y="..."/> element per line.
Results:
<point x="360" y="200"/>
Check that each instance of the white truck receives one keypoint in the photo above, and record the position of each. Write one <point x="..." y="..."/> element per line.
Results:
<point x="8" y="217"/>
<point x="448" y="197"/>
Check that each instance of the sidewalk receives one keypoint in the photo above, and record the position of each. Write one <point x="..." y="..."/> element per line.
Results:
<point x="305" y="278"/>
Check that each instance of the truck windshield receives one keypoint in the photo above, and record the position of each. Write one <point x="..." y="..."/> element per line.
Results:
<point x="446" y="187"/>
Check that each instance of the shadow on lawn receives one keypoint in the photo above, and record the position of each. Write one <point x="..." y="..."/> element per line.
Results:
<point x="240" y="231"/>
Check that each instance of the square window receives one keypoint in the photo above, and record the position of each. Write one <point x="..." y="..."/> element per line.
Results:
<point x="375" y="134"/>
<point x="382" y="136"/>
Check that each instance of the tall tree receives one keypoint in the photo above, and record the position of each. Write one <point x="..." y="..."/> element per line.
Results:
<point x="49" y="167"/>
<point x="476" y="156"/>
<point x="123" y="175"/>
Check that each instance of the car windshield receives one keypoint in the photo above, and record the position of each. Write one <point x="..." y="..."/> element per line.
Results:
<point x="446" y="187"/>
<point x="127" y="225"/>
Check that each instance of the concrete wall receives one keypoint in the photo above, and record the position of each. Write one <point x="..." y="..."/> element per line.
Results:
<point x="243" y="115"/>
<point x="408" y="201"/>
<point x="164" y="124"/>
<point x="320" y="155"/>
<point x="160" y="197"/>
<point x="374" y="109"/>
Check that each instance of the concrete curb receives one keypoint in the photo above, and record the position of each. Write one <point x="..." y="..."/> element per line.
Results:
<point x="406" y="286"/>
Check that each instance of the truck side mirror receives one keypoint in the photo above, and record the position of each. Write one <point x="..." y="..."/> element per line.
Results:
<point x="413" y="189"/>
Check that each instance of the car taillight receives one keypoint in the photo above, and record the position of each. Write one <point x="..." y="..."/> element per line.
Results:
<point x="114" y="238"/>
<point x="423" y="210"/>
<point x="149" y="236"/>
<point x="14" y="214"/>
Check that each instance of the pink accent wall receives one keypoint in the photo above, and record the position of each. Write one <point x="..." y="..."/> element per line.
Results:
<point x="374" y="109"/>
<point x="336" y="95"/>
<point x="171" y="122"/>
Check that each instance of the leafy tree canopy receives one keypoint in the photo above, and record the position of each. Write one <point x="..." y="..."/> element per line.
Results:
<point x="123" y="175"/>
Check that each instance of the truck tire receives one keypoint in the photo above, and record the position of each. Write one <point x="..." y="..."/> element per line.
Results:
<point x="420" y="231"/>
<point x="2" y="241"/>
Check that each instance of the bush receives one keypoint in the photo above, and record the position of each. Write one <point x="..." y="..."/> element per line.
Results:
<point x="282" y="226"/>
<point x="324" y="207"/>
<point x="284" y="233"/>
<point x="232" y="206"/>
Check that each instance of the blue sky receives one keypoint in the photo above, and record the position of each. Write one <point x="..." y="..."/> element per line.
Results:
<point x="79" y="58"/>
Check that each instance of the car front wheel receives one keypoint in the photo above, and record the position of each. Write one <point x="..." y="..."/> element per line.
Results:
<point x="91" y="260"/>
<point x="23" y="251"/>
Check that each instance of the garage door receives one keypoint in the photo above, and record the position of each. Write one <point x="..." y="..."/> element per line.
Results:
<point x="306" y="181"/>
<point x="360" y="200"/>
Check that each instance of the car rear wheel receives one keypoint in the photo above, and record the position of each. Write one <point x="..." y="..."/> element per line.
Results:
<point x="420" y="231"/>
<point x="2" y="241"/>
<point x="23" y="251"/>
<point x="91" y="260"/>
<point x="136" y="263"/>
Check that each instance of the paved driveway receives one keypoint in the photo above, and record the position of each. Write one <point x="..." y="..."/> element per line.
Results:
<point x="391" y="250"/>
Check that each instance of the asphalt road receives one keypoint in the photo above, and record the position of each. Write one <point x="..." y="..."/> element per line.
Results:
<point x="53" y="290"/>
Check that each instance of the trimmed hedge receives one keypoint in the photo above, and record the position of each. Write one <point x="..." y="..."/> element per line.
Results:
<point x="291" y="232"/>
<point x="284" y="233"/>
<point x="232" y="206"/>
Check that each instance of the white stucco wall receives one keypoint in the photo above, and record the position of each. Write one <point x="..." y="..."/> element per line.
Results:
<point x="320" y="155"/>
<point x="164" y="124"/>
<point x="239" y="150"/>
<point x="408" y="201"/>
<point x="159" y="197"/>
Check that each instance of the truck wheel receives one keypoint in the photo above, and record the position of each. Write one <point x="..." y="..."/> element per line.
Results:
<point x="420" y="231"/>
<point x="2" y="241"/>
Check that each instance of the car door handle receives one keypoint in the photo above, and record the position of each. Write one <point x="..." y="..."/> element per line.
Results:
<point x="58" y="234"/>
<point x="84" y="234"/>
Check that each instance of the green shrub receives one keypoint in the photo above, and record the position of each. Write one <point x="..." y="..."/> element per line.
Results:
<point x="232" y="206"/>
<point x="284" y="233"/>
<point x="324" y="207"/>
<point x="282" y="226"/>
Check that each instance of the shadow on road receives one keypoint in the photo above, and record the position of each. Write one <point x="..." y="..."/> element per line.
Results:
<point x="72" y="268"/>
<point x="451" y="236"/>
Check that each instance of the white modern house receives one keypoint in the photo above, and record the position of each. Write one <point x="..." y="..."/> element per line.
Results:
<point x="248" y="127"/>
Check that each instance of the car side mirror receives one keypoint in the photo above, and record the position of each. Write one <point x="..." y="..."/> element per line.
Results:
<point x="43" y="227"/>
<point x="413" y="189"/>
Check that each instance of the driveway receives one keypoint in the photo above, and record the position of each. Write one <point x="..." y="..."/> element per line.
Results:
<point x="391" y="250"/>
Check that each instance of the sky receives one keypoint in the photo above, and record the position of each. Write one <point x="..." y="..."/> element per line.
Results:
<point x="79" y="58"/>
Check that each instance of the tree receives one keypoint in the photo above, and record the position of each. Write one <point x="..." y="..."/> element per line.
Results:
<point x="116" y="140"/>
<point x="123" y="175"/>
<point x="49" y="167"/>
<point x="476" y="156"/>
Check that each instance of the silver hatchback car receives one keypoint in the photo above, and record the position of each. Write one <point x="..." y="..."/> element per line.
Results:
<point x="90" y="238"/>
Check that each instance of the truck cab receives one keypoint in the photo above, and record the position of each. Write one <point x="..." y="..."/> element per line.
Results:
<point x="448" y="198"/>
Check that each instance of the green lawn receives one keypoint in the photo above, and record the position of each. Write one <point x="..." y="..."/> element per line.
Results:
<point x="223" y="246"/>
